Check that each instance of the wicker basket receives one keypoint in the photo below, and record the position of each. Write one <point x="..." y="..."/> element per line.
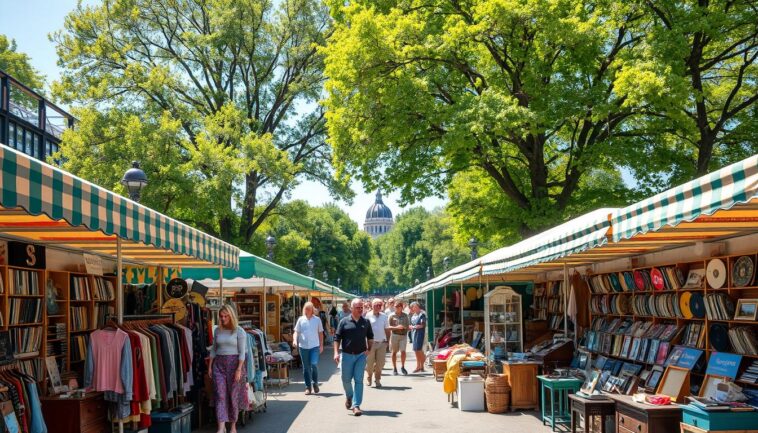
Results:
<point x="496" y="381"/>
<point x="498" y="402"/>
<point x="440" y="368"/>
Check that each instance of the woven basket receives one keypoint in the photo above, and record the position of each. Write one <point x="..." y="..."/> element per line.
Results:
<point x="496" y="381"/>
<point x="498" y="402"/>
<point x="440" y="368"/>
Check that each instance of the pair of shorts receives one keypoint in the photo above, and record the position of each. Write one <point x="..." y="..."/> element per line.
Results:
<point x="398" y="342"/>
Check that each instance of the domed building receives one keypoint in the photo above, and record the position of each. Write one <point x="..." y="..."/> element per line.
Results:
<point x="378" y="218"/>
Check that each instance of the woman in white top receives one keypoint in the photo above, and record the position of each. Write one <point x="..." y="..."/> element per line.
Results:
<point x="309" y="339"/>
<point x="227" y="368"/>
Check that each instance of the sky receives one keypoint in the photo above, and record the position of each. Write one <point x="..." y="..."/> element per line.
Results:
<point x="30" y="22"/>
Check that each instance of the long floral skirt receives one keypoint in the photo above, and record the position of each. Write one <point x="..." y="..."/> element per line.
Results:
<point x="229" y="396"/>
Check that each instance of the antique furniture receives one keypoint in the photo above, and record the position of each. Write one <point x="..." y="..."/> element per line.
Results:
<point x="632" y="417"/>
<point x="558" y="390"/>
<point x="522" y="378"/>
<point x="77" y="415"/>
<point x="589" y="408"/>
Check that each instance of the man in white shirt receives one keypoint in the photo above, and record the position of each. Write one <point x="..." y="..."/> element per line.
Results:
<point x="390" y="307"/>
<point x="378" y="352"/>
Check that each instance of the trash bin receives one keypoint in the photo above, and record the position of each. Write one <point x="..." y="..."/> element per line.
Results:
<point x="471" y="393"/>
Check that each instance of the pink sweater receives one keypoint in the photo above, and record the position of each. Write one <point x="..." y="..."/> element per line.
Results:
<point x="106" y="350"/>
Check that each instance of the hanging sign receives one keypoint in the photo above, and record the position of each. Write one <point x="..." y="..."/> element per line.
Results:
<point x="26" y="255"/>
<point x="175" y="306"/>
<point x="177" y="288"/>
<point x="93" y="264"/>
<point x="148" y="275"/>
<point x="723" y="364"/>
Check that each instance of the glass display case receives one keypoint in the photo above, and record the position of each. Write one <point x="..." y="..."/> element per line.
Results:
<point x="502" y="323"/>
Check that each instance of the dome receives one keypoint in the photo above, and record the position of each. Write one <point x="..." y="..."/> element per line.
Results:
<point x="378" y="209"/>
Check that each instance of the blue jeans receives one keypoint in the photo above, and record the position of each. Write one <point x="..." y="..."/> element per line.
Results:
<point x="309" y="357"/>
<point x="352" y="370"/>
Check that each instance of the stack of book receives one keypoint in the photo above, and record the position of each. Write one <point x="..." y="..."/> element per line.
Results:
<point x="694" y="335"/>
<point x="750" y="375"/>
<point x="743" y="340"/>
<point x="102" y="313"/>
<point x="104" y="290"/>
<point x="24" y="282"/>
<point x="719" y="306"/>
<point x="79" y="318"/>
<point x="25" y="311"/>
<point x="26" y="341"/>
<point x="80" y="290"/>
<point x="79" y="345"/>
<point x="32" y="367"/>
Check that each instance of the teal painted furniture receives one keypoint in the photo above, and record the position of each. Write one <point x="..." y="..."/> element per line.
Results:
<point x="559" y="390"/>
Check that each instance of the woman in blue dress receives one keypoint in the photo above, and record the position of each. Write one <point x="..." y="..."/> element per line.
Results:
<point x="418" y="328"/>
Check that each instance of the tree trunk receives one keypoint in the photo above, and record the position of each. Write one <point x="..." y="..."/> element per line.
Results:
<point x="248" y="206"/>
<point x="704" y="153"/>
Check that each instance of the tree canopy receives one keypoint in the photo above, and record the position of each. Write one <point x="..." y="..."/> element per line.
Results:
<point x="19" y="65"/>
<point x="217" y="96"/>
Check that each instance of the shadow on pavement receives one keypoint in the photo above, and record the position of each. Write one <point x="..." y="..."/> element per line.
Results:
<point x="393" y="388"/>
<point x="385" y="413"/>
<point x="328" y="394"/>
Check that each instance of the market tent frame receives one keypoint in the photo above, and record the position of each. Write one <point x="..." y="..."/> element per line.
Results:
<point x="44" y="205"/>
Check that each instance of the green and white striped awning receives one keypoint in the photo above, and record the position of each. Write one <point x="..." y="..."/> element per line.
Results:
<point x="720" y="190"/>
<point x="44" y="204"/>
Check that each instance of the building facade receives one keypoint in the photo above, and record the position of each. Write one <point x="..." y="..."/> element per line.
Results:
<point x="378" y="218"/>
<point x="30" y="123"/>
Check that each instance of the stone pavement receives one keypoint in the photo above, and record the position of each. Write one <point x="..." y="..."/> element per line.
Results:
<point x="404" y="403"/>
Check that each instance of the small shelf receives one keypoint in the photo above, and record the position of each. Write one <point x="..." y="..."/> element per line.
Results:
<point x="80" y="301"/>
<point x="24" y="296"/>
<point x="26" y="355"/>
<point x="25" y="324"/>
<point x="82" y="330"/>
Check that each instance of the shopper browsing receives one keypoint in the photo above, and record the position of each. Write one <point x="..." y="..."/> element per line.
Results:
<point x="309" y="338"/>
<point x="399" y="323"/>
<point x="378" y="353"/>
<point x="418" y="328"/>
<point x="227" y="368"/>
<point x="354" y="337"/>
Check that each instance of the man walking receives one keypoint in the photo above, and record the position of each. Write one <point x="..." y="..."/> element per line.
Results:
<point x="378" y="353"/>
<point x="355" y="336"/>
<point x="398" y="325"/>
<point x="390" y="307"/>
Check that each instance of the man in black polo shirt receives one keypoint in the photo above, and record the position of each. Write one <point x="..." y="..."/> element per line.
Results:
<point x="355" y="335"/>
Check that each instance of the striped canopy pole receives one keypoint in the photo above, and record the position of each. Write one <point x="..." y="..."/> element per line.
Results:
<point x="221" y="285"/>
<point x="463" y="328"/>
<point x="119" y="288"/>
<point x="565" y="298"/>
<point x="264" y="309"/>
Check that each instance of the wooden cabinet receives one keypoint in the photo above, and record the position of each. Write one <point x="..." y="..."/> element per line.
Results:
<point x="76" y="415"/>
<point x="633" y="417"/>
<point x="522" y="378"/>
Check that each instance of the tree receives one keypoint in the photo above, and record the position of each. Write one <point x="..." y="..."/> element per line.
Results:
<point x="229" y="85"/>
<point x="522" y="92"/>
<point x="325" y="234"/>
<point x="19" y="65"/>
<point x="419" y="240"/>
<point x="703" y="57"/>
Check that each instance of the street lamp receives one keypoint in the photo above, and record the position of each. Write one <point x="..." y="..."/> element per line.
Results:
<point x="134" y="180"/>
<point x="339" y="280"/>
<point x="428" y="274"/>
<point x="311" y="264"/>
<point x="417" y="282"/>
<point x="474" y="244"/>
<point x="446" y="263"/>
<point x="325" y="275"/>
<point x="270" y="244"/>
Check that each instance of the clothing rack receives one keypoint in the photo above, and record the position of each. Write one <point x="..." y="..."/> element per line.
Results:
<point x="144" y="317"/>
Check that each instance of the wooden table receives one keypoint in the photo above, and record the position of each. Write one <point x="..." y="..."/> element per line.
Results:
<point x="522" y="378"/>
<point x="559" y="389"/>
<point x="633" y="417"/>
<point x="589" y="408"/>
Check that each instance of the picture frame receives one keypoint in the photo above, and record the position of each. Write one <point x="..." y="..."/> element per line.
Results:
<point x="54" y="375"/>
<point x="708" y="389"/>
<point x="747" y="309"/>
<point x="654" y="377"/>
<point x="591" y="382"/>
<point x="675" y="383"/>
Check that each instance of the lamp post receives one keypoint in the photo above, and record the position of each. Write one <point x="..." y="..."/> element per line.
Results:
<point x="325" y="275"/>
<point x="417" y="282"/>
<point x="134" y="180"/>
<point x="446" y="263"/>
<point x="270" y="244"/>
<point x="311" y="264"/>
<point x="428" y="273"/>
<point x="339" y="280"/>
<point x="474" y="245"/>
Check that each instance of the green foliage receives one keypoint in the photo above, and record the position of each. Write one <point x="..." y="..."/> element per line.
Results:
<point x="226" y="87"/>
<point x="325" y="234"/>
<point x="19" y="65"/>
<point x="419" y="240"/>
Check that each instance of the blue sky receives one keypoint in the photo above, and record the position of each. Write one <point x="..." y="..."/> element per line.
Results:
<point x="30" y="22"/>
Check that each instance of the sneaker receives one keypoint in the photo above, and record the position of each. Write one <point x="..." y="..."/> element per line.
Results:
<point x="378" y="384"/>
<point x="348" y="403"/>
<point x="316" y="388"/>
<point x="405" y="372"/>
<point x="357" y="411"/>
<point x="394" y="372"/>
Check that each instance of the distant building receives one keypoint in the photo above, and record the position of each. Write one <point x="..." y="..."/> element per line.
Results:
<point x="30" y="123"/>
<point x="378" y="218"/>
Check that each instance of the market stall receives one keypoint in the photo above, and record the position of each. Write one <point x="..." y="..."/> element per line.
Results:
<point x="659" y="294"/>
<point x="66" y="242"/>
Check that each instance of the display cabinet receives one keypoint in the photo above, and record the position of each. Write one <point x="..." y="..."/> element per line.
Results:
<point x="502" y="323"/>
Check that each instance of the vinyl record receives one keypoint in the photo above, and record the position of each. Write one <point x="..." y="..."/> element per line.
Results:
<point x="639" y="280"/>
<point x="615" y="282"/>
<point x="196" y="298"/>
<point x="718" y="335"/>
<point x="657" y="279"/>
<point x="697" y="306"/>
<point x="684" y="304"/>
<point x="715" y="273"/>
<point x="630" y="284"/>
<point x="743" y="271"/>
<point x="622" y="282"/>
<point x="175" y="306"/>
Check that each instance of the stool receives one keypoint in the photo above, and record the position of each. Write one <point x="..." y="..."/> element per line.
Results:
<point x="590" y="408"/>
<point x="439" y="367"/>
<point x="559" y="389"/>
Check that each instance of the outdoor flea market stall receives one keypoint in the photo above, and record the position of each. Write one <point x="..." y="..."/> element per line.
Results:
<point x="641" y="306"/>
<point x="66" y="243"/>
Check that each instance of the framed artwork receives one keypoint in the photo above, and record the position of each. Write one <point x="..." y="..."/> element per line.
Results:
<point x="746" y="309"/>
<point x="709" y="385"/>
<point x="591" y="382"/>
<point x="654" y="377"/>
<point x="674" y="383"/>
<point x="54" y="375"/>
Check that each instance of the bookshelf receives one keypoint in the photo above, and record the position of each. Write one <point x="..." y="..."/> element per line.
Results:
<point x="635" y="304"/>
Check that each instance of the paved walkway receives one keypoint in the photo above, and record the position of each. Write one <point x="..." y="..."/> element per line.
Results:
<point x="404" y="403"/>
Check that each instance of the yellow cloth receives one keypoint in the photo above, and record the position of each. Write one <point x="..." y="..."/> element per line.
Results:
<point x="459" y="353"/>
